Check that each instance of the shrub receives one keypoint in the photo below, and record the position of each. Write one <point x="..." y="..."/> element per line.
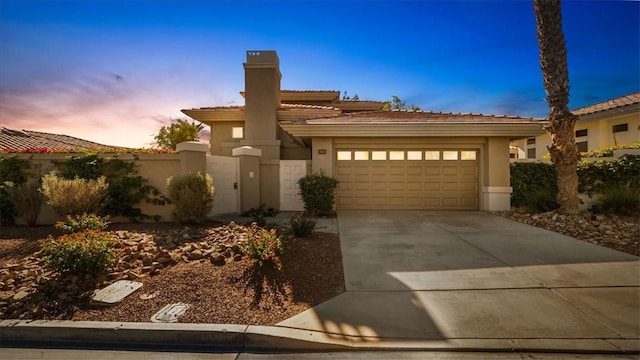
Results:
<point x="262" y="245"/>
<point x="318" y="193"/>
<point x="539" y="200"/>
<point x="595" y="177"/>
<point x="192" y="195"/>
<point x="620" y="199"/>
<point x="27" y="200"/>
<point x="12" y="173"/>
<point x="302" y="225"/>
<point x="258" y="215"/>
<point x="530" y="178"/>
<point x="87" y="252"/>
<point x="73" y="197"/>
<point x="84" y="222"/>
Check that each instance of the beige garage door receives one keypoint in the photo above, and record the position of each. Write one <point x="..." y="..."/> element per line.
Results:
<point x="407" y="179"/>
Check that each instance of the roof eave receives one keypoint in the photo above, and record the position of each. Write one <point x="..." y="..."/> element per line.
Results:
<point x="215" y="115"/>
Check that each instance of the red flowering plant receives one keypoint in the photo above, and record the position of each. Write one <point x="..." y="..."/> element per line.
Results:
<point x="105" y="150"/>
<point x="263" y="245"/>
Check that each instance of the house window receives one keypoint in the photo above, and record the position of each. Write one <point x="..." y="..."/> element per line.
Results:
<point x="620" y="128"/>
<point x="432" y="155"/>
<point x="344" y="155"/>
<point x="361" y="155"/>
<point x="582" y="146"/>
<point x="531" y="141"/>
<point x="378" y="155"/>
<point x="467" y="155"/>
<point x="512" y="156"/>
<point x="531" y="153"/>
<point x="237" y="132"/>
<point x="449" y="155"/>
<point x="581" y="133"/>
<point x="414" y="155"/>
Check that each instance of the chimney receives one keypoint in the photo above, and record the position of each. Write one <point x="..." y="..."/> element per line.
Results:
<point x="262" y="95"/>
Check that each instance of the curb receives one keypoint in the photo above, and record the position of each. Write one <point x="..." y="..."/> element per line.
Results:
<point x="239" y="338"/>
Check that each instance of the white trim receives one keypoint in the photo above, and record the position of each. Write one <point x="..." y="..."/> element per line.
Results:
<point x="246" y="151"/>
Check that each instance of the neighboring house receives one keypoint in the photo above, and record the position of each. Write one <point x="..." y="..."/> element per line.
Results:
<point x="382" y="159"/>
<point x="35" y="141"/>
<point x="609" y="123"/>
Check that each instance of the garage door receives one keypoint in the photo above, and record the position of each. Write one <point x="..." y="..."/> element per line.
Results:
<point x="407" y="179"/>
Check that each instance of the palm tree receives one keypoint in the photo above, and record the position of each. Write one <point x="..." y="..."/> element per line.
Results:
<point x="180" y="130"/>
<point x="553" y="61"/>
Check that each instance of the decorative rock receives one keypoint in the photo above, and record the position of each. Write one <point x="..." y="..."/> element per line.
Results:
<point x="218" y="259"/>
<point x="237" y="257"/>
<point x="196" y="255"/>
<point x="20" y="295"/>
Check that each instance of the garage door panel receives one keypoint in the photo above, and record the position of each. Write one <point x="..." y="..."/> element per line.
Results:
<point x="407" y="184"/>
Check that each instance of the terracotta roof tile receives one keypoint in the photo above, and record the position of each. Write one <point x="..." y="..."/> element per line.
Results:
<point x="303" y="106"/>
<point x="25" y="139"/>
<point x="609" y="104"/>
<point x="412" y="116"/>
<point x="310" y="91"/>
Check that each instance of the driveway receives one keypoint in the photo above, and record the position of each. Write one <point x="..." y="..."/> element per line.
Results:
<point x="475" y="280"/>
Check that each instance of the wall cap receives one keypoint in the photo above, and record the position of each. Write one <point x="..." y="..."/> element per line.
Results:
<point x="192" y="146"/>
<point x="246" y="151"/>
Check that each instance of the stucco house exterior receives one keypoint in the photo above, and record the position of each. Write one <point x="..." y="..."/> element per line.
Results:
<point x="608" y="123"/>
<point x="382" y="159"/>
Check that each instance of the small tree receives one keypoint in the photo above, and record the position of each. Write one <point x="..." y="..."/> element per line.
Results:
<point x="398" y="104"/>
<point x="179" y="131"/>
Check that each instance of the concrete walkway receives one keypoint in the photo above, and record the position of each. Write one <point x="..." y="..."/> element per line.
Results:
<point x="468" y="280"/>
<point x="415" y="280"/>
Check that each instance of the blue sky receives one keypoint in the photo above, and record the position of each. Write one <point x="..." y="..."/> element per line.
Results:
<point x="115" y="71"/>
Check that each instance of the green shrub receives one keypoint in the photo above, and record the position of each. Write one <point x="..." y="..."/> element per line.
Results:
<point x="609" y="150"/>
<point x="258" y="215"/>
<point x="539" y="200"/>
<point x="596" y="176"/>
<point x="73" y="197"/>
<point x="87" y="252"/>
<point x="84" y="222"/>
<point x="620" y="199"/>
<point x="262" y="245"/>
<point x="302" y="225"/>
<point x="126" y="188"/>
<point x="318" y="193"/>
<point x="192" y="195"/>
<point x="27" y="200"/>
<point x="532" y="182"/>
<point x="12" y="173"/>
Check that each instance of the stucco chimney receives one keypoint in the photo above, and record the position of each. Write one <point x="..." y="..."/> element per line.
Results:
<point x="262" y="94"/>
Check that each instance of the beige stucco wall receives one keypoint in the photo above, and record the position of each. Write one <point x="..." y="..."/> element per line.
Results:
<point x="270" y="183"/>
<point x="156" y="168"/>
<point x="221" y="142"/>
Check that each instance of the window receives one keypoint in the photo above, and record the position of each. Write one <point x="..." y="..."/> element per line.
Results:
<point x="237" y="132"/>
<point x="620" y="128"/>
<point x="467" y="155"/>
<point x="414" y="155"/>
<point x="432" y="155"/>
<point x="449" y="155"/>
<point x="582" y="146"/>
<point x="531" y="153"/>
<point x="361" y="155"/>
<point x="581" y="133"/>
<point x="396" y="155"/>
<point x="344" y="155"/>
<point x="531" y="141"/>
<point x="378" y="155"/>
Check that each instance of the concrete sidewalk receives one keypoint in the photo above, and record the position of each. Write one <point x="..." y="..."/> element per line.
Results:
<point x="416" y="280"/>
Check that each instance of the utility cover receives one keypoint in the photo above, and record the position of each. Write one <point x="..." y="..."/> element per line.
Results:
<point x="115" y="292"/>
<point x="170" y="313"/>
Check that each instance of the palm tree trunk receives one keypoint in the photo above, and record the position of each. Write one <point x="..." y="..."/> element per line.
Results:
<point x="553" y="62"/>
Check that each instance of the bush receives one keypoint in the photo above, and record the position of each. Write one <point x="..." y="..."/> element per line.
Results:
<point x="532" y="183"/>
<point x="27" y="200"/>
<point x="12" y="173"/>
<point x="83" y="222"/>
<point x="192" y="195"/>
<point x="595" y="177"/>
<point x="262" y="245"/>
<point x="87" y="252"/>
<point x="302" y="225"/>
<point x="73" y="197"/>
<point x="620" y="199"/>
<point x="539" y="200"/>
<point x="318" y="193"/>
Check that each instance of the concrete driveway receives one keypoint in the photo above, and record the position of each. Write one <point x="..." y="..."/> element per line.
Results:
<point x="471" y="280"/>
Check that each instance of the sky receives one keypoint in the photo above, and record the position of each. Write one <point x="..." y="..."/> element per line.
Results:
<point x="115" y="71"/>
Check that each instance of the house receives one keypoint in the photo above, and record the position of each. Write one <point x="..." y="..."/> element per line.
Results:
<point x="382" y="159"/>
<point x="608" y="123"/>
<point x="12" y="140"/>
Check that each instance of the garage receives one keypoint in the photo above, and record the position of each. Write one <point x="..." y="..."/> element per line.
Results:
<point x="421" y="179"/>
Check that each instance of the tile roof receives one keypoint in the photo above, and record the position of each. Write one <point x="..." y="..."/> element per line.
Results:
<point x="303" y="106"/>
<point x="609" y="105"/>
<point x="310" y="91"/>
<point x="11" y="139"/>
<point x="409" y="116"/>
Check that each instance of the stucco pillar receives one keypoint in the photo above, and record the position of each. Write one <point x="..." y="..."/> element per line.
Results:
<point x="193" y="156"/>
<point x="496" y="189"/>
<point x="322" y="155"/>
<point x="249" y="177"/>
